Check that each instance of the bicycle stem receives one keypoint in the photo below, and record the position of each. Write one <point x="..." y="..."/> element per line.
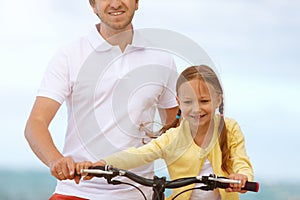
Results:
<point x="158" y="188"/>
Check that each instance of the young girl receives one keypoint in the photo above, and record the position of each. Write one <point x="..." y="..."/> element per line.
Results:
<point x="202" y="143"/>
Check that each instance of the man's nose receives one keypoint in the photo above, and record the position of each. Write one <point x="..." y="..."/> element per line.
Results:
<point x="115" y="3"/>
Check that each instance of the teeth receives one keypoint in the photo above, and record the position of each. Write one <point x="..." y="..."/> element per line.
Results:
<point x="198" y="116"/>
<point x="116" y="13"/>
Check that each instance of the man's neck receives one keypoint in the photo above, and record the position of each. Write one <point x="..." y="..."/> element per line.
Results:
<point x="119" y="38"/>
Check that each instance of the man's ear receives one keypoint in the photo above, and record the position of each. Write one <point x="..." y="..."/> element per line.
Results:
<point x="92" y="3"/>
<point x="136" y="4"/>
<point x="93" y="6"/>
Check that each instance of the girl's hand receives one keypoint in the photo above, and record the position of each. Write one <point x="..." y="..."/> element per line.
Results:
<point x="237" y="187"/>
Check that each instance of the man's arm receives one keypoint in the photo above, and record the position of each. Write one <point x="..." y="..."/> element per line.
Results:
<point x="40" y="140"/>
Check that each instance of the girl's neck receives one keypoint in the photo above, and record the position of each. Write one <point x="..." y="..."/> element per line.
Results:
<point x="202" y="136"/>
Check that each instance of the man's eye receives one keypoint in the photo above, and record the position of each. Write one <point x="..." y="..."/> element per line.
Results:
<point x="187" y="102"/>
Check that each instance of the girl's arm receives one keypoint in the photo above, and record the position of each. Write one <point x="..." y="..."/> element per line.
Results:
<point x="238" y="155"/>
<point x="130" y="158"/>
<point x="136" y="157"/>
<point x="241" y="165"/>
<point x="127" y="159"/>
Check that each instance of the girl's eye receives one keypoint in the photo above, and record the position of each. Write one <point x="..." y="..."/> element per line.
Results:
<point x="187" y="102"/>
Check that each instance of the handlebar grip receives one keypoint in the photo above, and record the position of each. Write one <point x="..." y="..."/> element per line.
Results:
<point x="99" y="167"/>
<point x="106" y="171"/>
<point x="251" y="186"/>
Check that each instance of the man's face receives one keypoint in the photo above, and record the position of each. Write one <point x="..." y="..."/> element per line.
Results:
<point x="115" y="14"/>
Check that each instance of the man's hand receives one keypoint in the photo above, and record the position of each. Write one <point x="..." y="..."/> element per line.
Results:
<point x="86" y="165"/>
<point x="63" y="168"/>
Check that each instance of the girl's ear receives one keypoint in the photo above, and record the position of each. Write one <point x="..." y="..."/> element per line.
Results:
<point x="219" y="100"/>
<point x="178" y="102"/>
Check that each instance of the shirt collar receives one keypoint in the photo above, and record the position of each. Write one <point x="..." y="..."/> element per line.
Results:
<point x="100" y="44"/>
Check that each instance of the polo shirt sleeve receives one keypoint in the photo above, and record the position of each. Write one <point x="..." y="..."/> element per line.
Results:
<point x="168" y="96"/>
<point x="55" y="82"/>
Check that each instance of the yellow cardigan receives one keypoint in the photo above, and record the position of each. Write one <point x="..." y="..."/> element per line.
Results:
<point x="185" y="159"/>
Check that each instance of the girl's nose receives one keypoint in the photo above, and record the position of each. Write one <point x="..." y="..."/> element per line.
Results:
<point x="196" y="107"/>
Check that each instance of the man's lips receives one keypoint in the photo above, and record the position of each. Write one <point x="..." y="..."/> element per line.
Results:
<point x="116" y="13"/>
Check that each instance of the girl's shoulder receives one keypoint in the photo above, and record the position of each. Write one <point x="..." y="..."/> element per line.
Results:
<point x="182" y="132"/>
<point x="233" y="128"/>
<point x="230" y="122"/>
<point x="171" y="133"/>
<point x="184" y="126"/>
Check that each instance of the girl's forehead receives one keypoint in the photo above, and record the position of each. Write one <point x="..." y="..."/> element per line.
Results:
<point x="195" y="84"/>
<point x="196" y="87"/>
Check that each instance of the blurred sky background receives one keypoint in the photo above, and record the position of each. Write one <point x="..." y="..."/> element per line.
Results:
<point x="255" y="46"/>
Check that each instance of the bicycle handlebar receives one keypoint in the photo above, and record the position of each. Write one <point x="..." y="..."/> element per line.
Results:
<point x="212" y="181"/>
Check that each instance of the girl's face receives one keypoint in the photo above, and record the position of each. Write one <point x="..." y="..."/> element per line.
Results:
<point x="198" y="102"/>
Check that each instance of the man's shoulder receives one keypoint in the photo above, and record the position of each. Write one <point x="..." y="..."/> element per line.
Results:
<point x="82" y="42"/>
<point x="76" y="43"/>
<point x="76" y="48"/>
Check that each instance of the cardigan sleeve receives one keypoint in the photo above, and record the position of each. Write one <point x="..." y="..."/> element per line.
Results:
<point x="240" y="160"/>
<point x="136" y="157"/>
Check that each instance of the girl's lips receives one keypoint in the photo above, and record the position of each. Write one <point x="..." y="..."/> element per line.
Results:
<point x="198" y="116"/>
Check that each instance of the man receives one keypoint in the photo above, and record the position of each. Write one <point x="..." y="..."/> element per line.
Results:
<point x="111" y="83"/>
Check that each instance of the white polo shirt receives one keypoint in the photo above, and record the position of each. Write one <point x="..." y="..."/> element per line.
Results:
<point x="108" y="94"/>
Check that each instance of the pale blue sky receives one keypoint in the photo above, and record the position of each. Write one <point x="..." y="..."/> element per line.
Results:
<point x="254" y="44"/>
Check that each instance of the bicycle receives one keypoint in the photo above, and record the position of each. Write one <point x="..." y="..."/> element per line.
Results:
<point x="159" y="184"/>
